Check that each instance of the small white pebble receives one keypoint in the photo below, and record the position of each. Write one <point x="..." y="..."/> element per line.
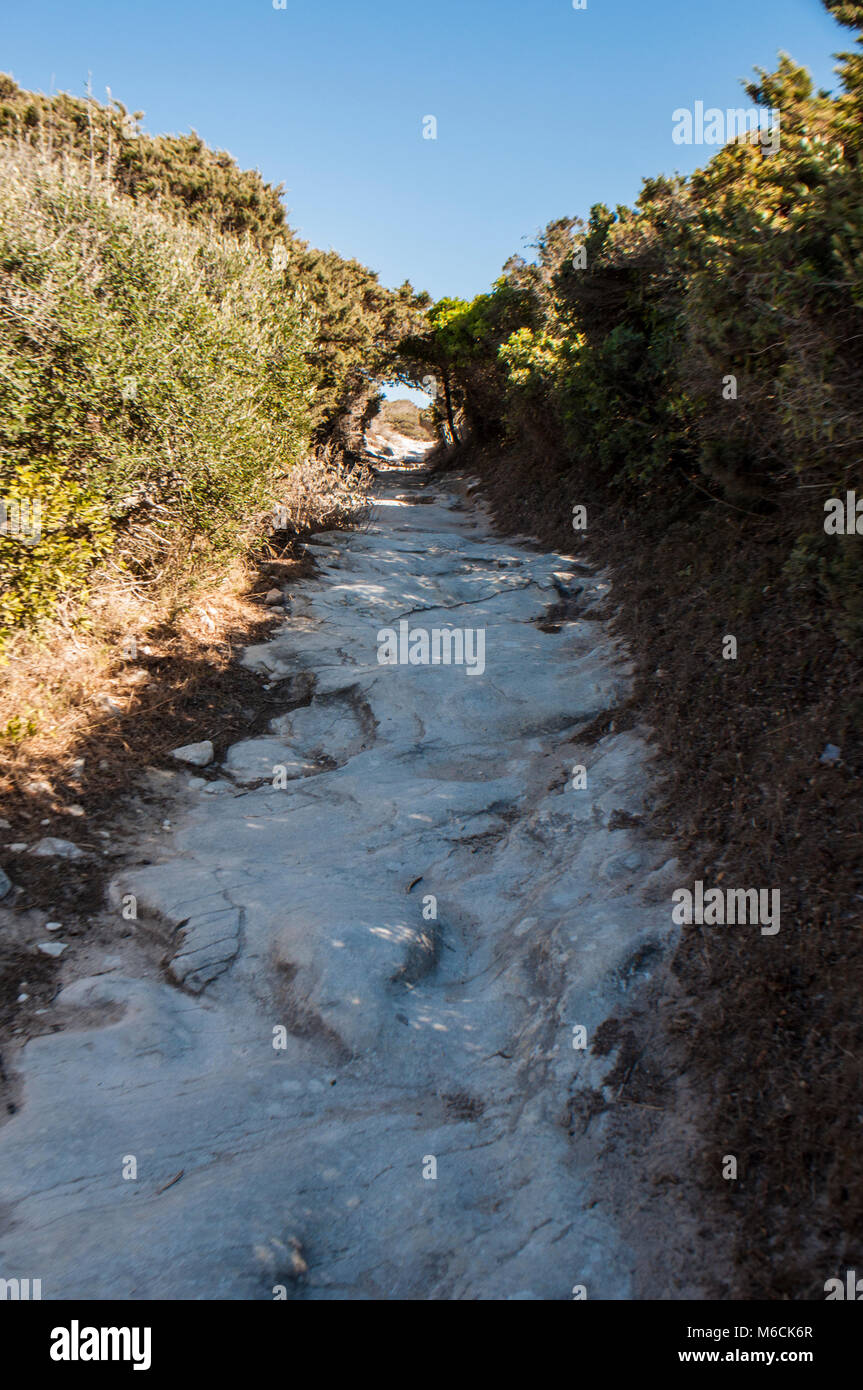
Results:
<point x="53" y="926"/>
<point x="22" y="998"/>
<point x="75" y="811"/>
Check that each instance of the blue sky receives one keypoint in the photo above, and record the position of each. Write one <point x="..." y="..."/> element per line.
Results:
<point x="542" y="110"/>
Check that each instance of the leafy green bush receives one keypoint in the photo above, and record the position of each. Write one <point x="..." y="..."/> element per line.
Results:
<point x="153" y="382"/>
<point x="356" y="322"/>
<point x="709" y="337"/>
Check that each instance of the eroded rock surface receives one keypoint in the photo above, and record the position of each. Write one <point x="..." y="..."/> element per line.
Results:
<point x="402" y="883"/>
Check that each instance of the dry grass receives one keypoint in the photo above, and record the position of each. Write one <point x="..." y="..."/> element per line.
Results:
<point x="136" y="650"/>
<point x="59" y="681"/>
<point x="323" y="492"/>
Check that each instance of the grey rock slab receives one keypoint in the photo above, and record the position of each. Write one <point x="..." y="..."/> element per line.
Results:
<point x="324" y="729"/>
<point x="262" y="759"/>
<point x="372" y="961"/>
<point x="196" y="754"/>
<point x="49" y="847"/>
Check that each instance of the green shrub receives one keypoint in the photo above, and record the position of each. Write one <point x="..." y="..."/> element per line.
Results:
<point x="154" y="382"/>
<point x="615" y="350"/>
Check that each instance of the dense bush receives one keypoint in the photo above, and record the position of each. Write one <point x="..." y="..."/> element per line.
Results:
<point x="357" y="323"/>
<point x="148" y="370"/>
<point x="180" y="171"/>
<point x="168" y="347"/>
<point x="615" y="347"/>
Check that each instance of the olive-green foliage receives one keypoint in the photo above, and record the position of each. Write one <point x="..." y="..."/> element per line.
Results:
<point x="167" y="345"/>
<point x="358" y="326"/>
<point x="459" y="344"/>
<point x="150" y="371"/>
<point x="358" y="323"/>
<point x="187" y="177"/>
<point x="630" y="326"/>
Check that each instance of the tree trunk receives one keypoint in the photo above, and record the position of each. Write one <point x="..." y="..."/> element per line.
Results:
<point x="447" y="395"/>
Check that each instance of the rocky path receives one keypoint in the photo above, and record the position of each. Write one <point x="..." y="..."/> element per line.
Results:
<point x="384" y="921"/>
